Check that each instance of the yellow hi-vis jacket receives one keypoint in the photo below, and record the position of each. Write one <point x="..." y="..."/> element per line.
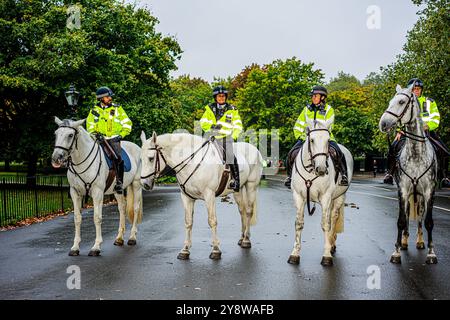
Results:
<point x="231" y="121"/>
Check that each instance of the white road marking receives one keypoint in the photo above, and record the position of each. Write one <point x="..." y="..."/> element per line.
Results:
<point x="390" y="198"/>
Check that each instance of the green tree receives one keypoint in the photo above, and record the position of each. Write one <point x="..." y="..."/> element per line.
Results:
<point x="117" y="45"/>
<point x="273" y="96"/>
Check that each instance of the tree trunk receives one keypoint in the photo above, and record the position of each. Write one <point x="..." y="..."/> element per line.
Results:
<point x="7" y="165"/>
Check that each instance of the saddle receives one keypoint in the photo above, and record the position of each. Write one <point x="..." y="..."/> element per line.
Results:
<point x="109" y="156"/>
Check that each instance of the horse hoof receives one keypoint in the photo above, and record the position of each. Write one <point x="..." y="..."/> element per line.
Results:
<point x="240" y="242"/>
<point x="396" y="259"/>
<point x="246" y="244"/>
<point x="131" y="242"/>
<point x="431" y="260"/>
<point x="327" y="261"/>
<point x="74" y="253"/>
<point x="404" y="247"/>
<point x="94" y="253"/>
<point x="333" y="250"/>
<point x="183" y="256"/>
<point x="118" y="242"/>
<point x="215" y="255"/>
<point x="420" y="245"/>
<point x="294" y="259"/>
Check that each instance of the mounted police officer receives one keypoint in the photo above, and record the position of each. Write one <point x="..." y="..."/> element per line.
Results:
<point x="108" y="121"/>
<point x="320" y="110"/>
<point x="222" y="120"/>
<point x="431" y="119"/>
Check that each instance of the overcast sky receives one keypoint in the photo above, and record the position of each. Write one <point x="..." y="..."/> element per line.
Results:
<point x="219" y="38"/>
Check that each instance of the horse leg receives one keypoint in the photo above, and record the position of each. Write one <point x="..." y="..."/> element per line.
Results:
<point x="121" y="206"/>
<point x="327" y="258"/>
<point x="76" y="199"/>
<point x="97" y="196"/>
<point x="250" y="194"/>
<point x="299" y="201"/>
<point x="405" y="235"/>
<point x="420" y="242"/>
<point x="429" y="224"/>
<point x="337" y="204"/>
<point x="239" y="198"/>
<point x="401" y="225"/>
<point x="188" y="204"/>
<point x="210" y="201"/>
<point x="137" y="208"/>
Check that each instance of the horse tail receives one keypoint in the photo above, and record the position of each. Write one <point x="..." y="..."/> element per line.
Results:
<point x="413" y="209"/>
<point x="254" y="218"/>
<point x="130" y="204"/>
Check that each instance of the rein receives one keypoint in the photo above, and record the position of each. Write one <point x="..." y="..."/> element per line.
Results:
<point x="408" y="104"/>
<point x="71" y="165"/>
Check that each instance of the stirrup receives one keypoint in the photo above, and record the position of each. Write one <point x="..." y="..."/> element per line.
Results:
<point x="388" y="179"/>
<point x="344" y="181"/>
<point x="234" y="185"/>
<point x="118" y="188"/>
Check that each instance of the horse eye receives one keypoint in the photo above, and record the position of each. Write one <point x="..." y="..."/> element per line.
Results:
<point x="71" y="135"/>
<point x="401" y="102"/>
<point x="150" y="158"/>
<point x="312" y="140"/>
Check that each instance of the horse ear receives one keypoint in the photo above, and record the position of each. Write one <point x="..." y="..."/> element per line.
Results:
<point x="78" y="123"/>
<point x="143" y="137"/>
<point x="398" y="88"/>
<point x="154" y="137"/>
<point x="58" y="121"/>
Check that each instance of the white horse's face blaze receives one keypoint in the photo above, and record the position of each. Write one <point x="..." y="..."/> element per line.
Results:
<point x="319" y="141"/>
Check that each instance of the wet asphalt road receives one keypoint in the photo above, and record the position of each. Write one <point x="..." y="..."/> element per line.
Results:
<point x="34" y="260"/>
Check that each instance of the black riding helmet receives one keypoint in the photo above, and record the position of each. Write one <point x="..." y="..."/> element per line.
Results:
<point x="103" y="92"/>
<point x="416" y="82"/>
<point x="319" y="90"/>
<point x="220" y="89"/>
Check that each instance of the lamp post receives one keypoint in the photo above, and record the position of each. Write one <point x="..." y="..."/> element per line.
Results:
<point x="72" y="97"/>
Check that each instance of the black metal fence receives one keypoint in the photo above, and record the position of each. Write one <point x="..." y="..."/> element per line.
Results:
<point x="22" y="197"/>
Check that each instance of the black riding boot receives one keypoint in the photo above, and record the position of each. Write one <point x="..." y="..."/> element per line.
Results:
<point x="343" y="168"/>
<point x="290" y="159"/>
<point x="234" y="168"/>
<point x="388" y="178"/>
<point x="118" y="188"/>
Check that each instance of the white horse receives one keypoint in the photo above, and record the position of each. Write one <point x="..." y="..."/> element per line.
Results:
<point x="199" y="169"/>
<point x="314" y="179"/>
<point x="416" y="172"/>
<point x="87" y="174"/>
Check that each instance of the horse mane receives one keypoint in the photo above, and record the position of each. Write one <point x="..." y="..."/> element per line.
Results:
<point x="185" y="139"/>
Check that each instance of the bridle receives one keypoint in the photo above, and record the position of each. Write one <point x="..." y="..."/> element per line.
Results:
<point x="71" y="165"/>
<point x="185" y="162"/>
<point x="409" y="105"/>
<point x="308" y="182"/>
<point x="405" y="110"/>
<point x="311" y="155"/>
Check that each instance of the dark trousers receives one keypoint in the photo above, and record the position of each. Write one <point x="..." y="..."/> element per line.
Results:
<point x="117" y="159"/>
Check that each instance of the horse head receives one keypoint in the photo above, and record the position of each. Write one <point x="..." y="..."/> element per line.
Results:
<point x="65" y="139"/>
<point x="152" y="161"/>
<point x="401" y="109"/>
<point x="318" y="138"/>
